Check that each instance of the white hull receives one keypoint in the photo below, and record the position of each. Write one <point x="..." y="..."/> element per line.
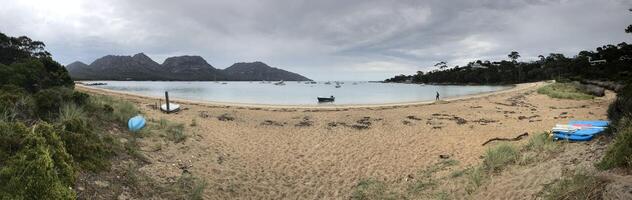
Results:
<point x="172" y="107"/>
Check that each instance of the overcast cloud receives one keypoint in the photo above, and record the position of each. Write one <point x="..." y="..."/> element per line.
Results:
<point x="323" y="39"/>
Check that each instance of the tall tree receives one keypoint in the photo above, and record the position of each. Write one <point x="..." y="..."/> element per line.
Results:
<point x="442" y="65"/>
<point x="514" y="55"/>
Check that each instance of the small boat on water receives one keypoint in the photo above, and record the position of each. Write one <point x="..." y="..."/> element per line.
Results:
<point x="327" y="83"/>
<point x="172" y="107"/>
<point x="94" y="84"/>
<point x="326" y="99"/>
<point x="279" y="83"/>
<point x="338" y="86"/>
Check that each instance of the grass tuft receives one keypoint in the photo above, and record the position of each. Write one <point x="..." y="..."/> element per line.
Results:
<point x="371" y="189"/>
<point x="496" y="158"/>
<point x="542" y="143"/>
<point x="564" y="91"/>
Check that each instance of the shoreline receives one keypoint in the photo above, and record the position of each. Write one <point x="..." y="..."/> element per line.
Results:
<point x="513" y="88"/>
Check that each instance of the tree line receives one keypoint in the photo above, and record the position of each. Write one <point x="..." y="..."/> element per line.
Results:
<point x="610" y="62"/>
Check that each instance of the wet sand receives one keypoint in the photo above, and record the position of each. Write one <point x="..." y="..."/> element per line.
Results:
<point x="291" y="152"/>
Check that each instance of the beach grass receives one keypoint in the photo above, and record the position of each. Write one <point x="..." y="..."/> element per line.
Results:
<point x="581" y="185"/>
<point x="367" y="189"/>
<point x="499" y="156"/>
<point x="564" y="91"/>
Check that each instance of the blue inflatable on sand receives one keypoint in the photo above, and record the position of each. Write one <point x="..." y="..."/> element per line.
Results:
<point x="136" y="123"/>
<point x="572" y="137"/>
<point x="598" y="123"/>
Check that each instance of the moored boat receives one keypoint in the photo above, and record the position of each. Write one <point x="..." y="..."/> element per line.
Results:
<point x="326" y="99"/>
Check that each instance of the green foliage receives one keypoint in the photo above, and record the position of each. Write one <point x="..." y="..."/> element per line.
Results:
<point x="110" y="109"/>
<point x="563" y="91"/>
<point x="619" y="153"/>
<point x="85" y="145"/>
<point x="15" y="103"/>
<point x="49" y="101"/>
<point x="13" y="49"/>
<point x="554" y="66"/>
<point x="621" y="107"/>
<point x="579" y="186"/>
<point x="371" y="189"/>
<point x="35" y="163"/>
<point x="496" y="158"/>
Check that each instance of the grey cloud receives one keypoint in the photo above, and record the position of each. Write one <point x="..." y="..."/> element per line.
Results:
<point x="327" y="39"/>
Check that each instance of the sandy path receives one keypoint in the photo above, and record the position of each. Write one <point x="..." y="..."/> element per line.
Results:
<point x="270" y="152"/>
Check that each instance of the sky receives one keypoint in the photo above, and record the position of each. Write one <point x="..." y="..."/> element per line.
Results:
<point x="324" y="39"/>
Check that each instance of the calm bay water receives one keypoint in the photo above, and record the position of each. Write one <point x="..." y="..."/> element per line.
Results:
<point x="294" y="93"/>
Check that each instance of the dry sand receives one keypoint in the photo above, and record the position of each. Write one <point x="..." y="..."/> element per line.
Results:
<point x="279" y="152"/>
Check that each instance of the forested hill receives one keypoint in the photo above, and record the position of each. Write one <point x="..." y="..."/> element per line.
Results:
<point x="610" y="62"/>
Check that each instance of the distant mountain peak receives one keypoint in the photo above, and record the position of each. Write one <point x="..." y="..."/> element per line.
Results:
<point x="78" y="64"/>
<point x="186" y="59"/>
<point x="177" y="68"/>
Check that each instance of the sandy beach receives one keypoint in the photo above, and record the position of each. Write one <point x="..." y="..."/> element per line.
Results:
<point x="321" y="152"/>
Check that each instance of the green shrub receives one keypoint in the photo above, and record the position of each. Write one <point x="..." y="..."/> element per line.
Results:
<point x="15" y="103"/>
<point x="35" y="74"/>
<point x="49" y="101"/>
<point x="36" y="165"/>
<point x="621" y="107"/>
<point x="499" y="156"/>
<point x="619" y="153"/>
<point x="82" y="141"/>
<point x="110" y="109"/>
<point x="563" y="91"/>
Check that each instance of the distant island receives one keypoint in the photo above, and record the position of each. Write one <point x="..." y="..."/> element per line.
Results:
<point x="180" y="68"/>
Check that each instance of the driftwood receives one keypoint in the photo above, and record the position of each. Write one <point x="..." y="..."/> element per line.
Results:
<point x="519" y="137"/>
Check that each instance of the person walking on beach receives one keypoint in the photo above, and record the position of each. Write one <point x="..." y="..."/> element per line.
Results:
<point x="437" y="96"/>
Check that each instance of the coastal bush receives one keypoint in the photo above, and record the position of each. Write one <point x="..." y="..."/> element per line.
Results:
<point x="621" y="107"/>
<point x="563" y="91"/>
<point x="499" y="156"/>
<point x="619" y="153"/>
<point x="580" y="186"/>
<point x="15" y="103"/>
<point x="49" y="101"/>
<point x="110" y="109"/>
<point x="35" y="164"/>
<point x="86" y="146"/>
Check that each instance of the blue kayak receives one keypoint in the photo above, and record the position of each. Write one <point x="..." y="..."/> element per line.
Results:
<point x="572" y="137"/>
<point x="598" y="123"/>
<point x="583" y="131"/>
<point x="136" y="123"/>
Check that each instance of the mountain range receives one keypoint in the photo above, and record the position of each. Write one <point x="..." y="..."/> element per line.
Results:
<point x="140" y="67"/>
